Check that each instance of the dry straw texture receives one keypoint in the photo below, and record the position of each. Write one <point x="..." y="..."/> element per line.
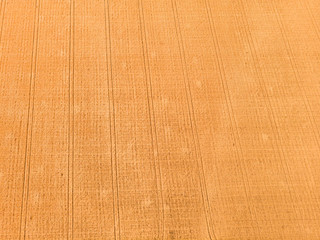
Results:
<point x="160" y="119"/>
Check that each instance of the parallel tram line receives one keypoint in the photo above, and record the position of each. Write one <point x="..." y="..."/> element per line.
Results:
<point x="231" y="115"/>
<point x="28" y="148"/>
<point x="152" y="121"/>
<point x="70" y="204"/>
<point x="194" y="130"/>
<point x="272" y="117"/>
<point x="112" y="125"/>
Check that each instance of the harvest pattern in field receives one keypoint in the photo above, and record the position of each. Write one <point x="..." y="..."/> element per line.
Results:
<point x="167" y="119"/>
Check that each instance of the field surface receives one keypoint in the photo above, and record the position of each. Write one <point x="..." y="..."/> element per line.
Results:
<point x="160" y="119"/>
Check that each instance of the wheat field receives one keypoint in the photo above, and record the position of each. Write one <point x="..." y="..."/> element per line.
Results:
<point x="160" y="119"/>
